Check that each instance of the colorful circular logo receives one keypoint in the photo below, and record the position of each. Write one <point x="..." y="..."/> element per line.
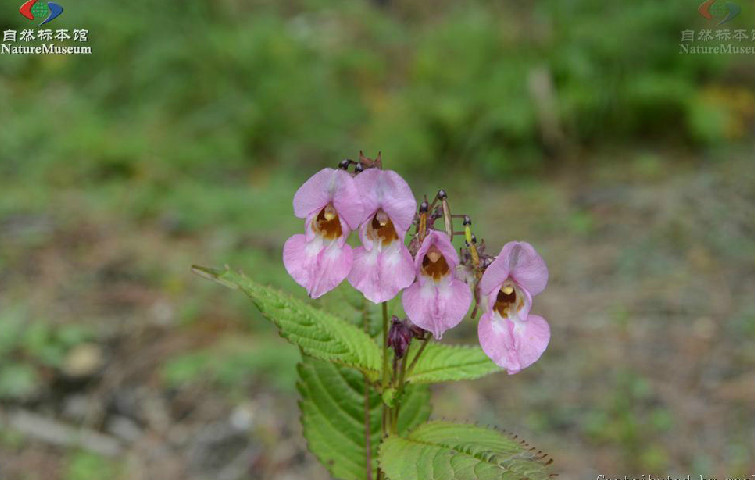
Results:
<point x="726" y="11"/>
<point x="34" y="9"/>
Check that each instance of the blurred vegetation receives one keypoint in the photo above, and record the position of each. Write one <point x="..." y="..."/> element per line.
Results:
<point x="229" y="364"/>
<point x="627" y="418"/>
<point x="29" y="349"/>
<point x="212" y="88"/>
<point x="89" y="466"/>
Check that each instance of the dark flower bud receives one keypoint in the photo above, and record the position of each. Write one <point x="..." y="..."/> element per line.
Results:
<point x="399" y="336"/>
<point x="467" y="221"/>
<point x="344" y="164"/>
<point x="417" y="332"/>
<point x="359" y="168"/>
<point x="423" y="206"/>
<point x="442" y="194"/>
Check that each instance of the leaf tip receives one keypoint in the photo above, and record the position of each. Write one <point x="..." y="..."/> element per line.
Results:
<point x="213" y="274"/>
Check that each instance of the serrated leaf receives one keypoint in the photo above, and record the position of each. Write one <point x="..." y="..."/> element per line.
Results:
<point x="444" y="363"/>
<point x="333" y="416"/>
<point x="449" y="451"/>
<point x="318" y="333"/>
<point x="349" y="304"/>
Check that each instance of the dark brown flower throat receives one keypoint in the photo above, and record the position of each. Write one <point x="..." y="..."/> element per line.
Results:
<point x="328" y="224"/>
<point x="507" y="302"/>
<point x="434" y="264"/>
<point x="382" y="229"/>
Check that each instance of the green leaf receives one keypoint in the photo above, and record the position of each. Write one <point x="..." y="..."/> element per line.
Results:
<point x="445" y="363"/>
<point x="349" y="304"/>
<point x="449" y="451"/>
<point x="318" y="333"/>
<point x="333" y="416"/>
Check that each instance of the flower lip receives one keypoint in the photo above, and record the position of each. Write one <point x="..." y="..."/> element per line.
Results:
<point x="327" y="223"/>
<point x="513" y="345"/>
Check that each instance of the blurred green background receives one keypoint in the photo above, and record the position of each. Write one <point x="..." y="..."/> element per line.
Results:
<point x="574" y="125"/>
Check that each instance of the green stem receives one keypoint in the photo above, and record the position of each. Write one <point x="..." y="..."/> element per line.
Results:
<point x="399" y="392"/>
<point x="367" y="429"/>
<point x="384" y="306"/>
<point x="385" y="379"/>
<point x="416" y="357"/>
<point x="402" y="378"/>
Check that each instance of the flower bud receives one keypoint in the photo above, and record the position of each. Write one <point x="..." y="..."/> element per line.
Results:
<point x="417" y="332"/>
<point x="399" y="336"/>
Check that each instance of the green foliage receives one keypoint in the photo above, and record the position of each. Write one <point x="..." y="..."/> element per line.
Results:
<point x="303" y="82"/>
<point x="319" y="334"/>
<point x="445" y="363"/>
<point x="333" y="416"/>
<point x="451" y="451"/>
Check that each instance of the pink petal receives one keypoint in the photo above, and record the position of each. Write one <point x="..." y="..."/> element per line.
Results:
<point x="443" y="243"/>
<point x="520" y="261"/>
<point x="316" y="192"/>
<point x="533" y="335"/>
<point x="366" y="241"/>
<point x="298" y="254"/>
<point x="436" y="307"/>
<point x="316" y="265"/>
<point x="380" y="275"/>
<point x="513" y="345"/>
<point x="387" y="190"/>
<point x="330" y="185"/>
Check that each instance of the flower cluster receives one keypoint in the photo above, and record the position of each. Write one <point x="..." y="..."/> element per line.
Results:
<point x="438" y="285"/>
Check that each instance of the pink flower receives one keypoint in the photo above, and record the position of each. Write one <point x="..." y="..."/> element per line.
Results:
<point x="511" y="337"/>
<point x="383" y="266"/>
<point x="438" y="300"/>
<point x="320" y="259"/>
